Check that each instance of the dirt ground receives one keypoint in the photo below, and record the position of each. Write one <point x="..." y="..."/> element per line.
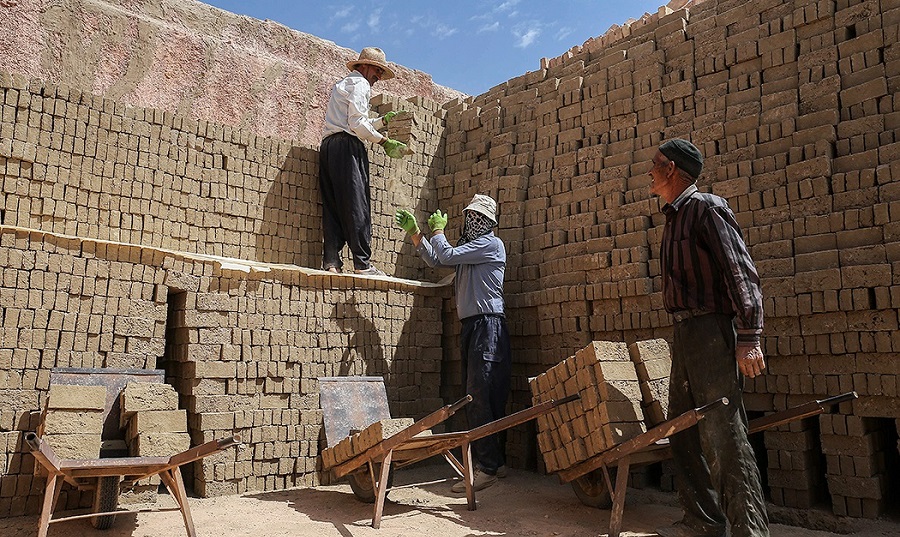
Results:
<point x="522" y="504"/>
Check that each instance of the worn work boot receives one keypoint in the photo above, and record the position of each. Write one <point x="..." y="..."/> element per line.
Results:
<point x="333" y="269"/>
<point x="480" y="481"/>
<point x="502" y="472"/>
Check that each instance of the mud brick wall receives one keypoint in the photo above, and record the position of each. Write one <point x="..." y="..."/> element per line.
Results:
<point x="77" y="164"/>
<point x="242" y="349"/>
<point x="794" y="106"/>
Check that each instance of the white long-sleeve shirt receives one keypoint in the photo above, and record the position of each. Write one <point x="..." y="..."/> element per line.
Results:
<point x="348" y="109"/>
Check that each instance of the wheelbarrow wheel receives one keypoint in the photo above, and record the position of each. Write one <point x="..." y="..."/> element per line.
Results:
<point x="362" y="485"/>
<point x="106" y="499"/>
<point x="591" y="489"/>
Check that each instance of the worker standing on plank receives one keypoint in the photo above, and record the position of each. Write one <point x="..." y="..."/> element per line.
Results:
<point x="480" y="262"/>
<point x="712" y="289"/>
<point x="344" y="163"/>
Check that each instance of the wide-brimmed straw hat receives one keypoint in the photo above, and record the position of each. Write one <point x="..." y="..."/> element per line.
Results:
<point x="372" y="56"/>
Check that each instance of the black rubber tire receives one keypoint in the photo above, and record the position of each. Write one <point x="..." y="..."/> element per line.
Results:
<point x="362" y="486"/>
<point x="106" y="498"/>
<point x="591" y="489"/>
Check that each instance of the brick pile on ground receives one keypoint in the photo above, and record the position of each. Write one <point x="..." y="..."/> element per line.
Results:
<point x="609" y="410"/>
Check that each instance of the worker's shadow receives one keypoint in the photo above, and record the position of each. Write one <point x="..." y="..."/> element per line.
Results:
<point x="364" y="354"/>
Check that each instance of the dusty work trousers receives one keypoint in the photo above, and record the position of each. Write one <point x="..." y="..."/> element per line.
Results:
<point x="346" y="200"/>
<point x="486" y="365"/>
<point x="716" y="469"/>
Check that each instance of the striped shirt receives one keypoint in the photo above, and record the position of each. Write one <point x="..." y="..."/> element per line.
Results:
<point x="705" y="263"/>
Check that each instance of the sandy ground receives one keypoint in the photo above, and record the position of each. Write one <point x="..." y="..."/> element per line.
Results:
<point x="523" y="504"/>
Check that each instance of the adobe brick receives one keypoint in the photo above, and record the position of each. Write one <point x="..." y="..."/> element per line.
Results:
<point x="76" y="397"/>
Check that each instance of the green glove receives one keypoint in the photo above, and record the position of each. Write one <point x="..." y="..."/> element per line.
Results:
<point x="389" y="116"/>
<point x="437" y="221"/>
<point x="407" y="221"/>
<point x="393" y="148"/>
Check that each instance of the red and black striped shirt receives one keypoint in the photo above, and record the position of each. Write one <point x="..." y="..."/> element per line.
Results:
<point x="705" y="263"/>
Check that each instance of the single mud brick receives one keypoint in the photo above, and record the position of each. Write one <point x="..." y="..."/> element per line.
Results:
<point x="76" y="397"/>
<point x="159" y="444"/>
<point x="74" y="446"/>
<point x="620" y="390"/>
<point x="616" y="433"/>
<point x="608" y="351"/>
<point x="620" y="411"/>
<point x="654" y="369"/>
<point x="157" y="421"/>
<point x="141" y="396"/>
<point x="616" y="371"/>
<point x="73" y="422"/>
<point x="654" y="413"/>
<point x="649" y="350"/>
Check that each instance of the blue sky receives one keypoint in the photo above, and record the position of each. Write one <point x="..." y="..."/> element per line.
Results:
<point x="468" y="45"/>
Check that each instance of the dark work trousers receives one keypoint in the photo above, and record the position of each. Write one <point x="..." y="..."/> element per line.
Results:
<point x="716" y="471"/>
<point x="346" y="200"/>
<point x="486" y="366"/>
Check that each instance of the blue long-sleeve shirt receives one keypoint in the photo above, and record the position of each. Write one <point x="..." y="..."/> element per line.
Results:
<point x="480" y="266"/>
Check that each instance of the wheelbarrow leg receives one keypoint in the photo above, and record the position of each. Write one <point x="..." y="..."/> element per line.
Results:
<point x="469" y="476"/>
<point x="51" y="496"/>
<point x="618" y="507"/>
<point x="175" y="484"/>
<point x="381" y="488"/>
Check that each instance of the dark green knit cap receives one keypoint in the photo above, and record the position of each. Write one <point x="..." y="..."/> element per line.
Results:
<point x="684" y="154"/>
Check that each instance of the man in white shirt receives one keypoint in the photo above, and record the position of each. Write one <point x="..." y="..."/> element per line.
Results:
<point x="344" y="162"/>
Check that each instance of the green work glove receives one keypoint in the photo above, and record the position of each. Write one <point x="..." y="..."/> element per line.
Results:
<point x="393" y="148"/>
<point x="389" y="116"/>
<point x="437" y="221"/>
<point x="407" y="221"/>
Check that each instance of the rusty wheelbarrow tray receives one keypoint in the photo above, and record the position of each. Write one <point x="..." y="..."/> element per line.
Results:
<point x="606" y="491"/>
<point x="374" y="465"/>
<point x="103" y="475"/>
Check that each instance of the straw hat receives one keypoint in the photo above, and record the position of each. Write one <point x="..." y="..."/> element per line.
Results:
<point x="372" y="56"/>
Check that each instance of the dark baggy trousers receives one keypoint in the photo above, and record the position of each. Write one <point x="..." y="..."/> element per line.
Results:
<point x="486" y="365"/>
<point x="346" y="200"/>
<point x="716" y="471"/>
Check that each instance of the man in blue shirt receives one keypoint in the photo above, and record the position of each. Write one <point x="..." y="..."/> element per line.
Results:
<point x="480" y="262"/>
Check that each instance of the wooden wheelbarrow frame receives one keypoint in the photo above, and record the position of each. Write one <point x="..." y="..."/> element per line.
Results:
<point x="653" y="446"/>
<point x="405" y="448"/>
<point x="87" y="473"/>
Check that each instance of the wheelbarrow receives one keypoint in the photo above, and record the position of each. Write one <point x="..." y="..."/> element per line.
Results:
<point x="352" y="403"/>
<point x="595" y="486"/>
<point x="105" y="474"/>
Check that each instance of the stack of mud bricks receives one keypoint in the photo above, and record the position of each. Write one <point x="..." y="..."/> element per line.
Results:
<point x="73" y="420"/>
<point x="607" y="413"/>
<point x="360" y="441"/>
<point x="154" y="425"/>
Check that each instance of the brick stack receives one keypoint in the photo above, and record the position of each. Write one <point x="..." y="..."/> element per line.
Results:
<point x="653" y="363"/>
<point x="859" y="452"/>
<point x="73" y="420"/>
<point x="359" y="441"/>
<point x="609" y="410"/>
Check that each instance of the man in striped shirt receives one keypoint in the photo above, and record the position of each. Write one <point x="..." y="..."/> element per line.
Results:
<point x="712" y="290"/>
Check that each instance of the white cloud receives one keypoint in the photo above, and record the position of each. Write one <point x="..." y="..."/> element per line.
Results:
<point x="526" y="36"/>
<point x="442" y="31"/>
<point x="563" y="33"/>
<point x="489" y="27"/>
<point x="341" y="13"/>
<point x="350" y="27"/>
<point x="374" y="19"/>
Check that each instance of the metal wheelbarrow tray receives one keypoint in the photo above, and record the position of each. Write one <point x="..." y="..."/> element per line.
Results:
<point x="104" y="474"/>
<point x="374" y="465"/>
<point x="95" y="473"/>
<point x="652" y="446"/>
